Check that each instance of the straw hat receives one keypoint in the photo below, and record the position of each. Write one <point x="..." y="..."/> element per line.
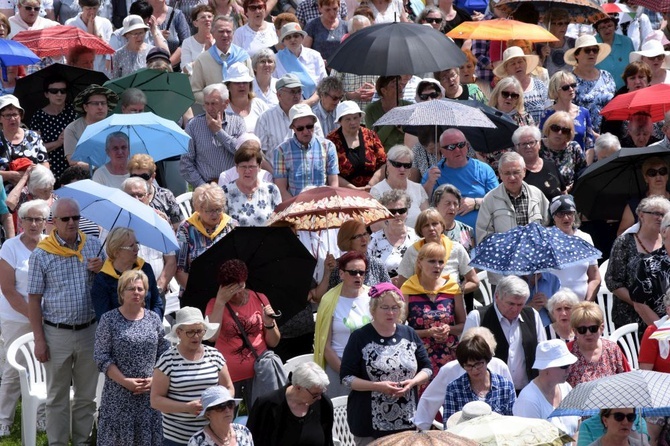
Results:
<point x="586" y="41"/>
<point x="290" y="28"/>
<point x="471" y="410"/>
<point x="532" y="61"/>
<point x="189" y="316"/>
<point x="651" y="48"/>
<point x="92" y="90"/>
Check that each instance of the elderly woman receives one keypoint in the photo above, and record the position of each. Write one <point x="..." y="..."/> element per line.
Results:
<point x="250" y="200"/>
<point x="128" y="342"/>
<point x="324" y="35"/>
<point x="122" y="248"/>
<point x="596" y="357"/>
<point x="433" y="16"/>
<point x="595" y="87"/>
<point x="399" y="162"/>
<point x="389" y="89"/>
<point x="558" y="145"/>
<point x="447" y="200"/>
<point x="427" y="90"/>
<point x="243" y="102"/>
<point x="582" y="278"/>
<point x="621" y="46"/>
<point x="343" y="309"/>
<point x="562" y="86"/>
<point x="506" y="97"/>
<point x="653" y="54"/>
<point x="360" y="152"/>
<point x="114" y="172"/>
<point x="236" y="306"/>
<point x="559" y="307"/>
<point x="208" y="224"/>
<point x="655" y="172"/>
<point x="435" y="306"/>
<point x="389" y="244"/>
<point x="518" y="64"/>
<point x="619" y="430"/>
<point x="201" y="41"/>
<point x="298" y="413"/>
<point x="189" y="361"/>
<point x="218" y="407"/>
<point x="257" y="33"/>
<point x="551" y="54"/>
<point x="383" y="395"/>
<point x="467" y="70"/>
<point x="263" y="64"/>
<point x="453" y="88"/>
<point x="132" y="56"/>
<point x="14" y="256"/>
<point x="540" y="172"/>
<point x="478" y="382"/>
<point x="628" y="250"/>
<point x="19" y="147"/>
<point x="37" y="183"/>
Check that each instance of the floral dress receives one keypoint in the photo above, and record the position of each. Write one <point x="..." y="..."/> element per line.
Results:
<point x="254" y="211"/>
<point x="357" y="165"/>
<point x="594" y="95"/>
<point x="583" y="127"/>
<point x="611" y="362"/>
<point x="570" y="161"/>
<point x="534" y="100"/>
<point x="621" y="271"/>
<point x="390" y="255"/>
<point x="242" y="436"/>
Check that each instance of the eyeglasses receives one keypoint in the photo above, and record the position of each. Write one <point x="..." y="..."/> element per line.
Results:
<point x="138" y="196"/>
<point x="568" y="87"/>
<point x="394" y="308"/>
<point x="563" y="214"/>
<point x="34" y="219"/>
<point x="139" y="289"/>
<point x="399" y="211"/>
<point x="212" y="211"/>
<point x="507" y="95"/>
<point x="354" y="272"/>
<point x="357" y="236"/>
<point x="191" y="333"/>
<point x="97" y="103"/>
<point x="10" y="115"/>
<point x="655" y="214"/>
<point x="335" y="98"/>
<point x="426" y="96"/>
<point x="527" y="144"/>
<point x="663" y="171"/>
<point x="313" y="395"/>
<point x="303" y="127"/>
<point x="66" y="219"/>
<point x="138" y="33"/>
<point x="223" y="406"/>
<point x="659" y="57"/>
<point x="256" y="7"/>
<point x="248" y="166"/>
<point x="144" y="176"/>
<point x="564" y="367"/>
<point x="293" y="92"/>
<point x="31" y="8"/>
<point x="132" y="247"/>
<point x="591" y="50"/>
<point x="476" y="366"/>
<point x="432" y="20"/>
<point x="619" y="416"/>
<point x="591" y="328"/>
<point x="57" y="90"/>
<point x="558" y="129"/>
<point x="458" y="145"/>
<point x="398" y="164"/>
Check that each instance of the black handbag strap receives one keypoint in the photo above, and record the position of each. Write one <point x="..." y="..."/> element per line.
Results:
<point x="246" y="340"/>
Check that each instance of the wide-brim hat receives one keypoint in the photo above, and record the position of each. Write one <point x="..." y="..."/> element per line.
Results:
<point x="189" y="316"/>
<point x="215" y="396"/>
<point x="92" y="90"/>
<point x="532" y="61"/>
<point x="238" y="72"/>
<point x="290" y="28"/>
<point x="651" y="48"/>
<point x="553" y="353"/>
<point x="471" y="410"/>
<point x="586" y="41"/>
<point x="347" y="108"/>
<point x="133" y="22"/>
<point x="10" y="99"/>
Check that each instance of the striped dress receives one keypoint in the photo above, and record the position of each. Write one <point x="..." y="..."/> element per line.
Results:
<point x="188" y="379"/>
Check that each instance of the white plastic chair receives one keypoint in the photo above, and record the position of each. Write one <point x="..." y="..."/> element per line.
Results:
<point x="291" y="364"/>
<point x="626" y="337"/>
<point x="485" y="287"/>
<point x="340" y="425"/>
<point x="33" y="385"/>
<point x="605" y="299"/>
<point x="185" y="205"/>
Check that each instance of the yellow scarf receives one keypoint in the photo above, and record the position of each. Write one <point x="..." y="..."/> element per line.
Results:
<point x="197" y="224"/>
<point x="446" y="242"/>
<point x="53" y="246"/>
<point x="108" y="267"/>
<point x="412" y="286"/>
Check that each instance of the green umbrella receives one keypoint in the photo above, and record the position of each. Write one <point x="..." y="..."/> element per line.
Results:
<point x="169" y="95"/>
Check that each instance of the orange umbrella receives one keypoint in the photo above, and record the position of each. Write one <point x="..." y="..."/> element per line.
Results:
<point x="501" y="29"/>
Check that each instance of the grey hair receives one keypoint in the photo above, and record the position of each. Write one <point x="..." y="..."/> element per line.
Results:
<point x="484" y="333"/>
<point x="606" y="141"/>
<point x="427" y="10"/>
<point x="116" y="135"/>
<point x="220" y="87"/>
<point x="328" y="84"/>
<point x="400" y="151"/>
<point x="665" y="222"/>
<point x="222" y="18"/>
<point x="40" y="178"/>
<point x="511" y="157"/>
<point x="526" y="130"/>
<point x="132" y="96"/>
<point x="512" y="286"/>
<point x="562" y="296"/>
<point x="65" y="200"/>
<point x="358" y="20"/>
<point x="40" y="206"/>
<point x="262" y="54"/>
<point x="309" y="374"/>
<point x="666" y="298"/>
<point x="445" y="189"/>
<point x="134" y="181"/>
<point x="394" y="195"/>
<point x="655" y="201"/>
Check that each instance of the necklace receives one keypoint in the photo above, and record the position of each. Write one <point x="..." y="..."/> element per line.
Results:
<point x="644" y="248"/>
<point x="219" y="440"/>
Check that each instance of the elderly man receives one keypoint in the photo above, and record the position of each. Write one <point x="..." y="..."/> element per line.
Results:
<point x="213" y="135"/>
<point x="665" y="142"/>
<point x="606" y="145"/>
<point x="212" y="66"/>
<point x="517" y="329"/>
<point x="640" y="131"/>
<point x="60" y="309"/>
<point x="133" y="100"/>
<point x="330" y="91"/>
<point x="273" y="126"/>
<point x="113" y="173"/>
<point x="89" y="21"/>
<point x="472" y="177"/>
<point x="304" y="160"/>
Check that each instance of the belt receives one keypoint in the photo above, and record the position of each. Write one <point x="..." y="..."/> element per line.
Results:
<point x="69" y="327"/>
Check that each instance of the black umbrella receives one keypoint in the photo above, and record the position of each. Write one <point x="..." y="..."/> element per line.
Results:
<point x="279" y="267"/>
<point x="392" y="49"/>
<point x="604" y="188"/>
<point x="30" y="89"/>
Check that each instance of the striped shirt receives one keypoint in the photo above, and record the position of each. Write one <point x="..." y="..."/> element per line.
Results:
<point x="188" y="379"/>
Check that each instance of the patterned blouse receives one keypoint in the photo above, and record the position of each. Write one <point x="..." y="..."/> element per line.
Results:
<point x="652" y="280"/>
<point x="242" y="436"/>
<point x="535" y="99"/>
<point x="611" y="362"/>
<point x="30" y="147"/>
<point x="594" y="95"/>
<point x="358" y="165"/>
<point x="192" y="243"/>
<point x="390" y="255"/>
<point x="255" y="211"/>
<point x="621" y="271"/>
<point x="423" y="159"/>
<point x="570" y="161"/>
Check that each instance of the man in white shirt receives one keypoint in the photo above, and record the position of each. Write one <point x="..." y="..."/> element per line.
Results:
<point x="89" y="21"/>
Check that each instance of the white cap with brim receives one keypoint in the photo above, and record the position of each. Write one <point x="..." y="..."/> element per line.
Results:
<point x="553" y="353"/>
<point x="347" y="108"/>
<point x="215" y="396"/>
<point x="300" y="111"/>
<point x="238" y="72"/>
<point x="10" y="99"/>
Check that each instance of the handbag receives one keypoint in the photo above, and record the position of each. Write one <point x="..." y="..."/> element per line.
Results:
<point x="269" y="373"/>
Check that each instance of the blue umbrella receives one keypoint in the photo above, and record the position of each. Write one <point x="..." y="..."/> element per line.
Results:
<point x="148" y="133"/>
<point x="14" y="53"/>
<point x="531" y="249"/>
<point x="112" y="208"/>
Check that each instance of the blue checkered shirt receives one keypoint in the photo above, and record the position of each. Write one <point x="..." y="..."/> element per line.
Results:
<point x="304" y="167"/>
<point x="480" y="49"/>
<point x="309" y="10"/>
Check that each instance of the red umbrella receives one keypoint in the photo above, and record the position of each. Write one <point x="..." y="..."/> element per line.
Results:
<point x="654" y="100"/>
<point x="59" y="40"/>
<point x="654" y="5"/>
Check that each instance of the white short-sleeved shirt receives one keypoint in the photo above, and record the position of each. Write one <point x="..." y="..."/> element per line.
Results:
<point x="531" y="403"/>
<point x="16" y="254"/>
<point x="350" y="314"/>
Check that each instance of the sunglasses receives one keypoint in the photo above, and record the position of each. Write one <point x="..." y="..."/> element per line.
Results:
<point x="222" y="407"/>
<point x="507" y="95"/>
<point x="591" y="328"/>
<point x="619" y="416"/>
<point x="66" y="219"/>
<point x="31" y="8"/>
<point x="564" y="367"/>
<point x="659" y="57"/>
<point x="432" y="20"/>
<point x="591" y="50"/>
<point x="303" y="127"/>
<point x="399" y="211"/>
<point x="256" y="7"/>
<point x="57" y="90"/>
<point x="558" y="129"/>
<point x="458" y="145"/>
<point x="355" y="272"/>
<point x="398" y="164"/>
<point x="144" y="176"/>
<point x="663" y="171"/>
<point x="568" y="87"/>
<point x="426" y="96"/>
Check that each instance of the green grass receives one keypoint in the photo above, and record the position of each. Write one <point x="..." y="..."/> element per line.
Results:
<point x="15" y="438"/>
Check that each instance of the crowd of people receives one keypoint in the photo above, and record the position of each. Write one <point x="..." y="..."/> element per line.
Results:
<point x="393" y="316"/>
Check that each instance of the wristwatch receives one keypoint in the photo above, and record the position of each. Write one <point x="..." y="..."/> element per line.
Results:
<point x="477" y="204"/>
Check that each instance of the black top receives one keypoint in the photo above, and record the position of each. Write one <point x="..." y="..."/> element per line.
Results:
<point x="548" y="179"/>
